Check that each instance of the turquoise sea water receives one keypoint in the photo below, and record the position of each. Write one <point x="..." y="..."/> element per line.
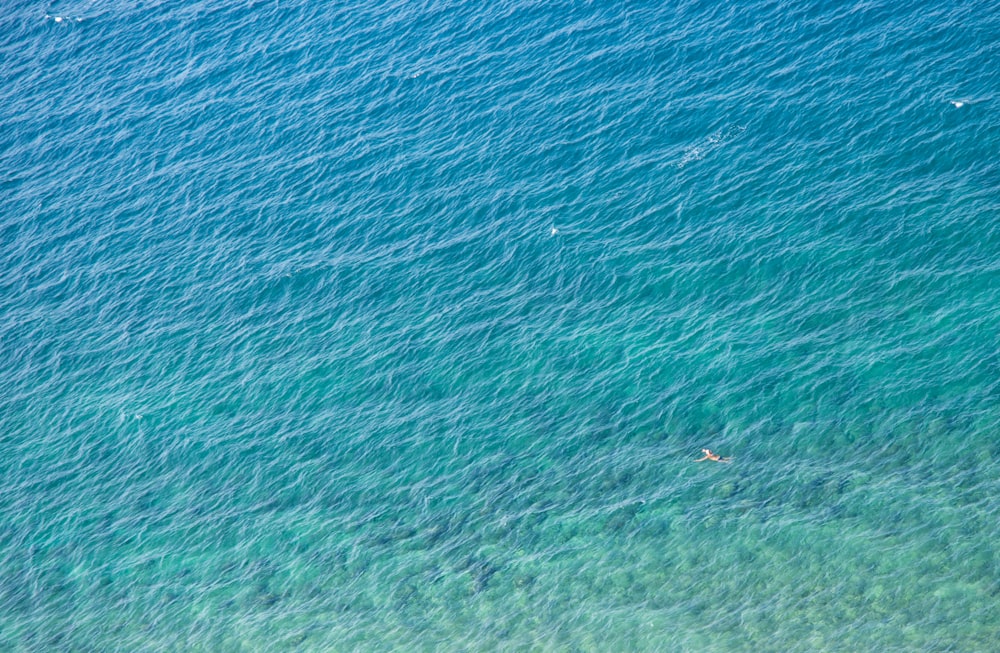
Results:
<point x="397" y="326"/>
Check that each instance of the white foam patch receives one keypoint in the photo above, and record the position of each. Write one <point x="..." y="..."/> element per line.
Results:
<point x="63" y="19"/>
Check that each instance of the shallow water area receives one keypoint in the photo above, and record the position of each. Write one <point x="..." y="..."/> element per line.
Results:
<point x="400" y="327"/>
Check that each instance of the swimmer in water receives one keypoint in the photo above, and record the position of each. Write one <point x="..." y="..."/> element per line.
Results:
<point x="714" y="457"/>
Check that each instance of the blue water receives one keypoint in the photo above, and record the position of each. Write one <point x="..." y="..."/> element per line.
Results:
<point x="398" y="326"/>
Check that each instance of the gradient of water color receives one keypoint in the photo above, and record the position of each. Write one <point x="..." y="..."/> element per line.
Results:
<point x="397" y="326"/>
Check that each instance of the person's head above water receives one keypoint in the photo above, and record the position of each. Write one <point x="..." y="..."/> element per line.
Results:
<point x="714" y="457"/>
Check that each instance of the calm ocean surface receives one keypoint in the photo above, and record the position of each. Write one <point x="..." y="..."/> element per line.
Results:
<point x="360" y="326"/>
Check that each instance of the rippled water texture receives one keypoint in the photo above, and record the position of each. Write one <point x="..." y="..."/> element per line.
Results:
<point x="398" y="326"/>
